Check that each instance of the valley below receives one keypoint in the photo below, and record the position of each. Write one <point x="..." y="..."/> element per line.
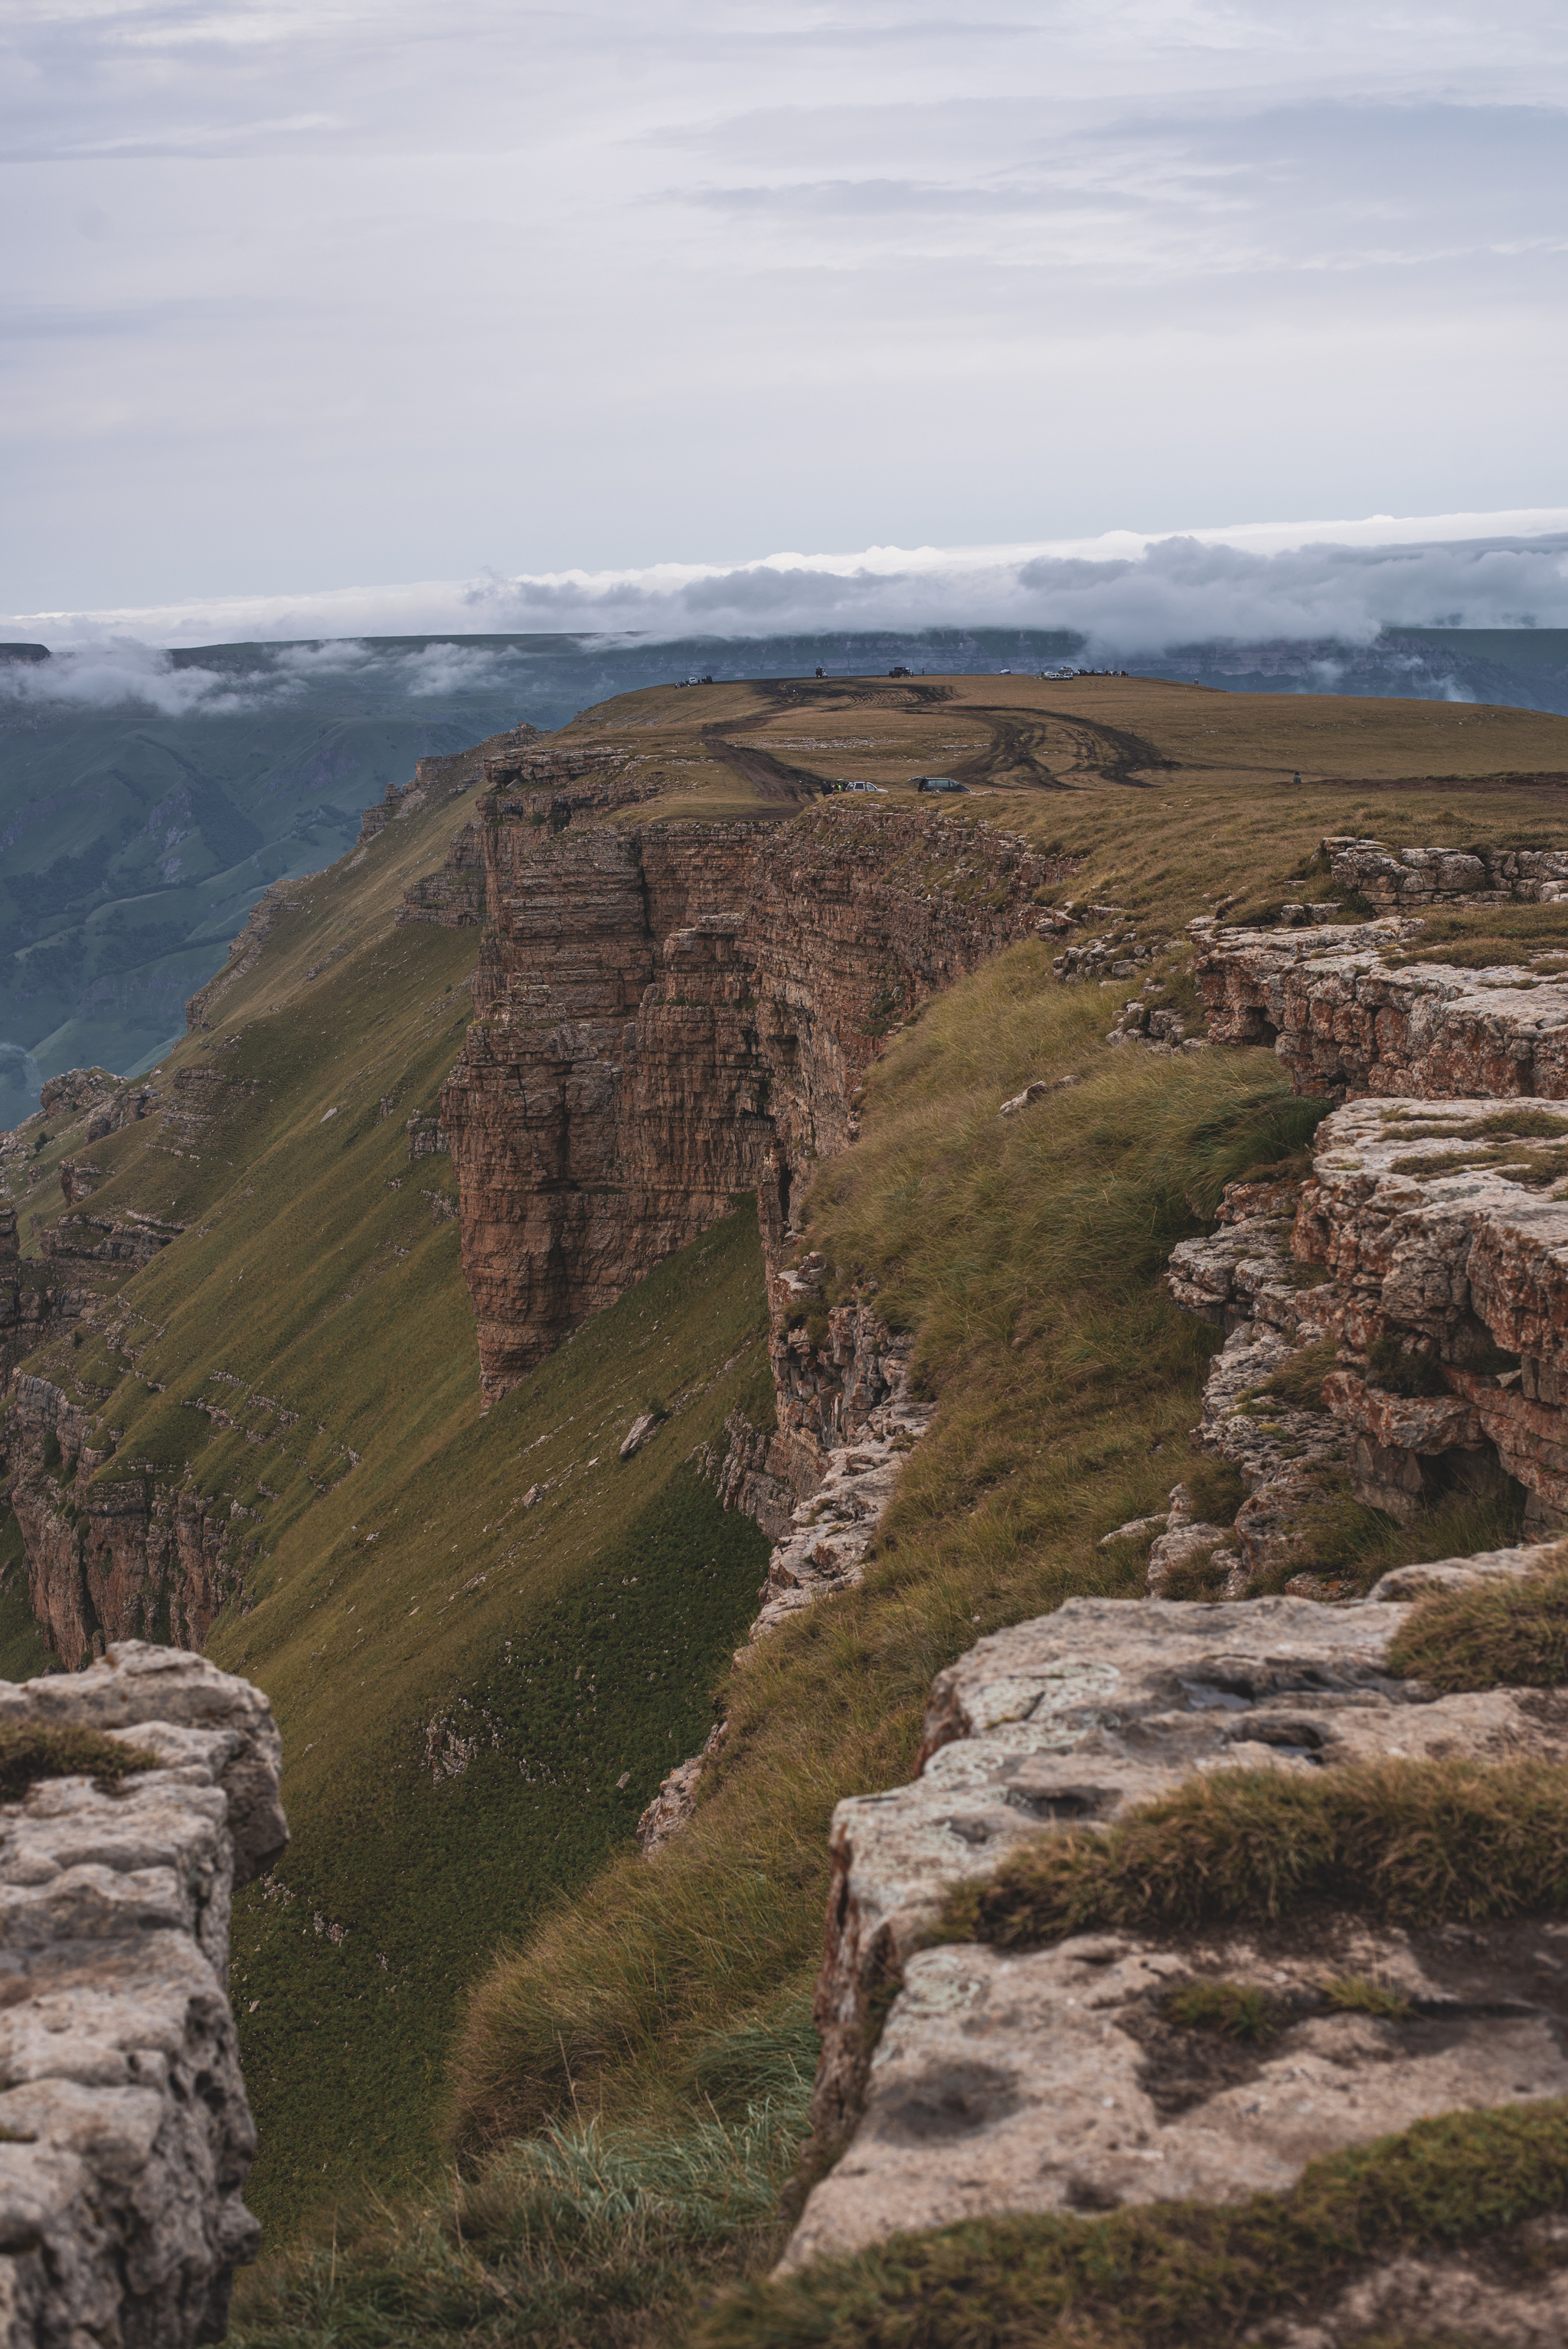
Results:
<point x="837" y="1419"/>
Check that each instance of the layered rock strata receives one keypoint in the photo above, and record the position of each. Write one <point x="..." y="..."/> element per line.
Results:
<point x="1053" y="2079"/>
<point x="668" y="1016"/>
<point x="1406" y="880"/>
<point x="125" y="2133"/>
<point x="1345" y="1023"/>
<point x="1446" y="1232"/>
<point x="129" y="1558"/>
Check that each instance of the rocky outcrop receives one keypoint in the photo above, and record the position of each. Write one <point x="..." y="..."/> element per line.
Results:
<point x="127" y="1240"/>
<point x="1405" y="880"/>
<point x="667" y="1016"/>
<point x="1286" y="1447"/>
<point x="112" y="1558"/>
<point x="1447" y="1234"/>
<point x="1418" y="1281"/>
<point x="1053" y="2079"/>
<point x="440" y="778"/>
<point x="818" y="1485"/>
<point x="31" y="1305"/>
<point x="281" y="897"/>
<point x="1346" y="1023"/>
<point x="125" y="2134"/>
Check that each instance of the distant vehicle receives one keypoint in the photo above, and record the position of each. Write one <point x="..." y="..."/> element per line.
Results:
<point x="938" y="783"/>
<point x="901" y="672"/>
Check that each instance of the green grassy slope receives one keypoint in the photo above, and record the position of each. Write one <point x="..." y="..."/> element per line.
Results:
<point x="404" y="1606"/>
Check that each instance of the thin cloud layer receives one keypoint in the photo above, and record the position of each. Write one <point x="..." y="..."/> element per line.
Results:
<point x="1124" y="596"/>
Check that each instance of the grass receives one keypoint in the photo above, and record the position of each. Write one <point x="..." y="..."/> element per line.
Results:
<point x="1181" y="2275"/>
<point x="1411" y="1842"/>
<point x="408" y="1612"/>
<point x="477" y="1697"/>
<point x="1023" y="1254"/>
<point x="583" y="2236"/>
<point x="1489" y="935"/>
<point x="1504" y="1634"/>
<point x="30" y="1751"/>
<point x="1363" y="1994"/>
<point x="1299" y="1381"/>
<point x="1230" y="2010"/>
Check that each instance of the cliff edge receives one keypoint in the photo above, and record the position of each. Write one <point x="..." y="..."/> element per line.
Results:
<point x="125" y="2133"/>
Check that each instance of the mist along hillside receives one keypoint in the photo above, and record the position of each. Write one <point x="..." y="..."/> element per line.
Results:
<point x="650" y="1094"/>
<point x="147" y="799"/>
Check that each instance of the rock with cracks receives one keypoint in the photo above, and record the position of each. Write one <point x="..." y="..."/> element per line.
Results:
<point x="125" y="2133"/>
<point x="1054" y="2079"/>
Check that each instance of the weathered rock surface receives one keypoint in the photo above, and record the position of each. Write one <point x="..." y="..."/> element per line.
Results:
<point x="126" y="2134"/>
<point x="116" y="1559"/>
<point x="1448" y="1241"/>
<point x="1051" y="2079"/>
<point x="846" y="1421"/>
<point x="1290" y="1454"/>
<point x="1345" y="1024"/>
<point x="1404" y="880"/>
<point x="666" y="1016"/>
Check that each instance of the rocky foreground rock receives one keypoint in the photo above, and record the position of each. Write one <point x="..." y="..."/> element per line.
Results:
<point x="125" y="2133"/>
<point x="1051" y="2079"/>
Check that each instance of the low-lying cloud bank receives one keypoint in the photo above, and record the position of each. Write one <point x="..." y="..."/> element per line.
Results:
<point x="1124" y="595"/>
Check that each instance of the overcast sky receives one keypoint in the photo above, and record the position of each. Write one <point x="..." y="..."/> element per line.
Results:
<point x="305" y="297"/>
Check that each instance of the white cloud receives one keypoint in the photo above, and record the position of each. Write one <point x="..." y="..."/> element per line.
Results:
<point x="1125" y="592"/>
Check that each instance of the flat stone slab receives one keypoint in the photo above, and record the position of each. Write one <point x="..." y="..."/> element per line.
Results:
<point x="1073" y="1718"/>
<point x="1050" y="2080"/>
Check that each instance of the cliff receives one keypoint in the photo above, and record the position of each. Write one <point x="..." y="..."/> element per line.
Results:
<point x="125" y="2133"/>
<point x="665" y="1016"/>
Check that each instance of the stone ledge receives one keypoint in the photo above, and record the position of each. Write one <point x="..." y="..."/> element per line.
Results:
<point x="127" y="2136"/>
<point x="987" y="2088"/>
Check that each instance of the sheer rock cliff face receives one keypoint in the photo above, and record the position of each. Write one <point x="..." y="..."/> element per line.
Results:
<point x="125" y="2133"/>
<point x="131" y="1560"/>
<point x="668" y="1015"/>
<point x="1345" y="1024"/>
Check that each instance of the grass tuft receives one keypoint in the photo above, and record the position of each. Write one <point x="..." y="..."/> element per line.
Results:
<point x="1174" y="2275"/>
<point x="585" y="2237"/>
<point x="1299" y="1381"/>
<point x="1362" y="1994"/>
<point x="31" y="1750"/>
<point x="1230" y="2010"/>
<point x="1504" y="1634"/>
<point x="1411" y="1842"/>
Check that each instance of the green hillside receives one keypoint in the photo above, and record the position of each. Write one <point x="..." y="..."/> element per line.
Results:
<point x="487" y="1638"/>
<point x="477" y="1695"/>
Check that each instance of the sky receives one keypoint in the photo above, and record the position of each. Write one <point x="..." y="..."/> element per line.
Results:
<point x="474" y="306"/>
